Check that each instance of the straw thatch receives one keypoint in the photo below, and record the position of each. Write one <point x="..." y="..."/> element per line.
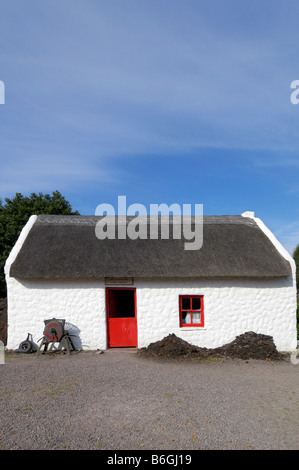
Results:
<point x="66" y="247"/>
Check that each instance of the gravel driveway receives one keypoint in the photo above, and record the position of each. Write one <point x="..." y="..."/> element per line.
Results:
<point x="119" y="400"/>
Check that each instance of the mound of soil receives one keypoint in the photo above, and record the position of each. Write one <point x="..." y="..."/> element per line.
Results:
<point x="249" y="345"/>
<point x="170" y="346"/>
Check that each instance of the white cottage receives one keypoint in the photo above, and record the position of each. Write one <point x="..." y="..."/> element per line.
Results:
<point x="124" y="292"/>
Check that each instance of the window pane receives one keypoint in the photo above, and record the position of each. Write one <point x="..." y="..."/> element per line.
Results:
<point x="196" y="316"/>
<point x="196" y="303"/>
<point x="186" y="303"/>
<point x="186" y="317"/>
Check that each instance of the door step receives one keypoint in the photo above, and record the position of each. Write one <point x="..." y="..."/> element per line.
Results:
<point x="124" y="350"/>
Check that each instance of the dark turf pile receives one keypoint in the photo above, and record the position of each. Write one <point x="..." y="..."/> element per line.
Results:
<point x="249" y="345"/>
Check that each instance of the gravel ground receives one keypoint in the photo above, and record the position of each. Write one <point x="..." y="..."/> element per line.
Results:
<point x="119" y="400"/>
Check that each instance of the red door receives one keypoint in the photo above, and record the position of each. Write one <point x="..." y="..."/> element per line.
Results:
<point x="121" y="317"/>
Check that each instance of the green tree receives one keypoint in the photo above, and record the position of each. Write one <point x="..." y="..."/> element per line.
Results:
<point x="14" y="214"/>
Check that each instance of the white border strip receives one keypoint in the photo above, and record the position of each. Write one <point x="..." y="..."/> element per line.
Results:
<point x="19" y="243"/>
<point x="280" y="248"/>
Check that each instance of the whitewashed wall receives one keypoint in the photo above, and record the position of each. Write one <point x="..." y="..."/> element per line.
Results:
<point x="231" y="308"/>
<point x="81" y="304"/>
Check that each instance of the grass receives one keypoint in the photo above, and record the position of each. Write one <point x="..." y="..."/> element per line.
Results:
<point x="207" y="359"/>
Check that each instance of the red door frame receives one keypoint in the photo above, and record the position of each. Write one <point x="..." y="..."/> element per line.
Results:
<point x="121" y="332"/>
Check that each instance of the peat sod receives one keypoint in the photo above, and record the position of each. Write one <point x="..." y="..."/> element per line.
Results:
<point x="249" y="345"/>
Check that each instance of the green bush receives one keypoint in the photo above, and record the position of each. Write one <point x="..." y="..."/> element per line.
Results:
<point x="15" y="212"/>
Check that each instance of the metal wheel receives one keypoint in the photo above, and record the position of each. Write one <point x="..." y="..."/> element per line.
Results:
<point x="25" y="347"/>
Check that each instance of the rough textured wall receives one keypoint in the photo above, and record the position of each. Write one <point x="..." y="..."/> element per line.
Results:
<point x="231" y="308"/>
<point x="82" y="304"/>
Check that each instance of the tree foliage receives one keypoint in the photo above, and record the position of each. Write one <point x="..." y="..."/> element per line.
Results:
<point x="14" y="214"/>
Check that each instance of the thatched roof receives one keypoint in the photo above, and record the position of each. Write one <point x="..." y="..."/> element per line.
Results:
<point x="65" y="247"/>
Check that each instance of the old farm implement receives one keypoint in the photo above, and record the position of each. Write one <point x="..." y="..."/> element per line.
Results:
<point x="26" y="346"/>
<point x="55" y="332"/>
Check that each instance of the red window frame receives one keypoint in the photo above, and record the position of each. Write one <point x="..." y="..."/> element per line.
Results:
<point x="192" y="311"/>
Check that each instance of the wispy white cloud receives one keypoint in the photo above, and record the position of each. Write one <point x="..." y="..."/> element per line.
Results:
<point x="88" y="81"/>
<point x="276" y="161"/>
<point x="288" y="235"/>
<point x="174" y="73"/>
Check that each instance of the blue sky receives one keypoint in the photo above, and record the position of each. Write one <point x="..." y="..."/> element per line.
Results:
<point x="162" y="101"/>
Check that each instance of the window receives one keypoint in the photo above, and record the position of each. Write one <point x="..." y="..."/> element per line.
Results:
<point x="191" y="310"/>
